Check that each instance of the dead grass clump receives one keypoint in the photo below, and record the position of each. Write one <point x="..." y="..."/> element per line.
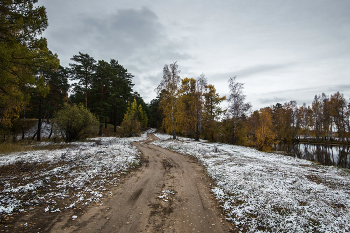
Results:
<point x="8" y="147"/>
<point x="29" y="145"/>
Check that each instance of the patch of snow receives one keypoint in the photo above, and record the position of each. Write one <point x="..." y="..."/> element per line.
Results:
<point x="151" y="130"/>
<point x="270" y="192"/>
<point x="87" y="169"/>
<point x="165" y="195"/>
<point x="44" y="132"/>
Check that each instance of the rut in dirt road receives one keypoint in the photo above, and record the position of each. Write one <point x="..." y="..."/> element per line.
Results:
<point x="170" y="193"/>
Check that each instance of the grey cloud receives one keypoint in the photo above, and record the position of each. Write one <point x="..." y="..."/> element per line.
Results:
<point x="124" y="32"/>
<point x="135" y="37"/>
<point x="345" y="89"/>
<point x="156" y="78"/>
<point x="302" y="95"/>
<point x="260" y="69"/>
<point x="132" y="35"/>
<point x="150" y="83"/>
<point x="250" y="71"/>
<point x="274" y="100"/>
<point x="268" y="46"/>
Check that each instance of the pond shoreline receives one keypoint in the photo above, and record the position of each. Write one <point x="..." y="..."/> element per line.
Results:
<point x="337" y="155"/>
<point x="321" y="142"/>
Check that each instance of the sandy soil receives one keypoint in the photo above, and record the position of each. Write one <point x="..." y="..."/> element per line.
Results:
<point x="169" y="193"/>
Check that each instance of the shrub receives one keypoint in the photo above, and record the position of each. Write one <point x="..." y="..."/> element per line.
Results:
<point x="75" y="122"/>
<point x="134" y="119"/>
<point x="131" y="127"/>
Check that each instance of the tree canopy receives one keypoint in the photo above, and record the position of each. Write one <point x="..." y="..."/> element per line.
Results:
<point x="23" y="56"/>
<point x="192" y="107"/>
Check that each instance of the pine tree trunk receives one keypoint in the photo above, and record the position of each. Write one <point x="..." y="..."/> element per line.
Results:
<point x="50" y="133"/>
<point x="100" y="129"/>
<point x="115" y="119"/>
<point x="34" y="135"/>
<point x="24" y="119"/>
<point x="197" y="132"/>
<point x="197" y="135"/>
<point x="38" y="136"/>
<point x="105" y="120"/>
<point x="86" y="95"/>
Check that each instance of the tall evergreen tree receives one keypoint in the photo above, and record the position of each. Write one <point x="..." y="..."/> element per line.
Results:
<point x="58" y="94"/>
<point x="212" y="111"/>
<point x="155" y="119"/>
<point x="120" y="89"/>
<point x="99" y="90"/>
<point x="82" y="72"/>
<point x="22" y="53"/>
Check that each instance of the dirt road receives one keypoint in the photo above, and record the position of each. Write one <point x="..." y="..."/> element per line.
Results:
<point x="169" y="193"/>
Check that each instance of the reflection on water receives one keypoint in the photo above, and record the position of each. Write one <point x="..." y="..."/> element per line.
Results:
<point x="326" y="155"/>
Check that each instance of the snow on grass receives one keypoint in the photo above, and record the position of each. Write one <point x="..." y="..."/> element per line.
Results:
<point x="269" y="192"/>
<point x="60" y="179"/>
<point x="44" y="132"/>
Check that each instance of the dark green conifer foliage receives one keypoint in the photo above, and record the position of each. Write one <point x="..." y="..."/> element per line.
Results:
<point x="23" y="53"/>
<point x="82" y="72"/>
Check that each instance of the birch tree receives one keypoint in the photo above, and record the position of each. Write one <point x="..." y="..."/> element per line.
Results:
<point x="237" y="106"/>
<point x="169" y="84"/>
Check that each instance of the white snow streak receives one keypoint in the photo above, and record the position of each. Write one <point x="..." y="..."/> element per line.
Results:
<point x="77" y="173"/>
<point x="259" y="192"/>
<point x="269" y="192"/>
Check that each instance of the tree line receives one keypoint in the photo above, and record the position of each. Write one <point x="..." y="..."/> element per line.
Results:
<point x="34" y="85"/>
<point x="192" y="107"/>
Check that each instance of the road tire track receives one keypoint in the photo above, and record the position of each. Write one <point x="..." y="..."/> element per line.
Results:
<point x="169" y="193"/>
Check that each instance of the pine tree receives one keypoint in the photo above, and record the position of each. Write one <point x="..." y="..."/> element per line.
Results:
<point x="120" y="90"/>
<point x="212" y="112"/>
<point x="22" y="54"/>
<point x="99" y="91"/>
<point x="82" y="71"/>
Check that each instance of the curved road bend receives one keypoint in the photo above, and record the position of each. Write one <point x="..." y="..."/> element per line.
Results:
<point x="169" y="193"/>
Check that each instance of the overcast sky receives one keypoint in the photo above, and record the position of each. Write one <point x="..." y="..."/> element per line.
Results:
<point x="281" y="50"/>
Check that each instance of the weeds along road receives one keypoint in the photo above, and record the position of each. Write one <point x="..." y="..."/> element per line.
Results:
<point x="169" y="193"/>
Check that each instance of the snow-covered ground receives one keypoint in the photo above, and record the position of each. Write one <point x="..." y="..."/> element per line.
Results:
<point x="258" y="191"/>
<point x="270" y="192"/>
<point x="45" y="131"/>
<point x="79" y="174"/>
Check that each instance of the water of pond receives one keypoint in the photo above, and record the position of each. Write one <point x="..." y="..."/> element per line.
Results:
<point x="326" y="155"/>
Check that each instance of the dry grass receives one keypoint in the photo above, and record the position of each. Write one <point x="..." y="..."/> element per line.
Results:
<point x="109" y="132"/>
<point x="28" y="145"/>
<point x="8" y="146"/>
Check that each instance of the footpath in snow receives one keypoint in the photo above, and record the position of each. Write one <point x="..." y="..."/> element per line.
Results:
<point x="270" y="192"/>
